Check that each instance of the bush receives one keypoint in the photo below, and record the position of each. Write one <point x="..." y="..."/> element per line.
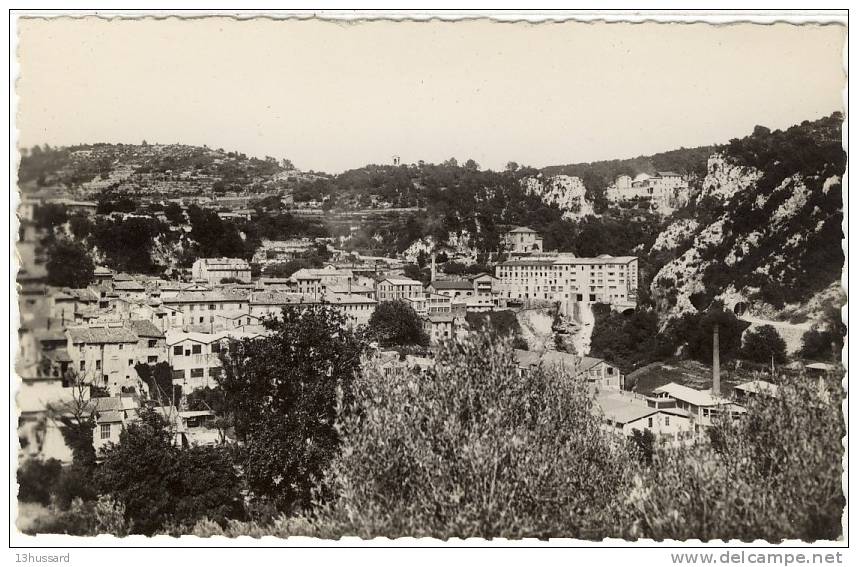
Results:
<point x="75" y="482"/>
<point x="159" y="484"/>
<point x="774" y="474"/>
<point x="474" y="450"/>
<point x="104" y="516"/>
<point x="36" y="480"/>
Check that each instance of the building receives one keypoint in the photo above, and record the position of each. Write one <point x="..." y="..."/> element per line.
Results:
<point x="215" y="270"/>
<point x="664" y="188"/>
<point x="315" y="282"/>
<point x="701" y="405"/>
<point x="754" y="388"/>
<point x="265" y="303"/>
<point x="452" y="288"/>
<point x="431" y="303"/>
<point x="391" y="289"/>
<point x="439" y="327"/>
<point x="623" y="413"/>
<point x="200" y="307"/>
<point x="195" y="358"/>
<point x="522" y="240"/>
<point x="358" y="308"/>
<point x="599" y="372"/>
<point x="151" y="342"/>
<point x="565" y="277"/>
<point x="105" y="355"/>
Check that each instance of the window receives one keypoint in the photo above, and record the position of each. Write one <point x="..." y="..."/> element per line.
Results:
<point x="152" y="343"/>
<point x="177" y="350"/>
<point x="98" y="365"/>
<point x="215" y="371"/>
<point x="152" y="359"/>
<point x="120" y="346"/>
<point x="197" y="372"/>
<point x="215" y="348"/>
<point x="667" y="420"/>
<point x="105" y="430"/>
<point x="649" y="422"/>
<point x="83" y="365"/>
<point x="130" y="362"/>
<point x="196" y="349"/>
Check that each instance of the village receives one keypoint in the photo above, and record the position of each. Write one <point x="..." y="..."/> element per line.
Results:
<point x="86" y="346"/>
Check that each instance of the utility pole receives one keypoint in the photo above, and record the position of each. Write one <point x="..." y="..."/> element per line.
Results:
<point x="716" y="364"/>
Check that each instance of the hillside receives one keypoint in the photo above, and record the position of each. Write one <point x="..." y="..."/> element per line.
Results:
<point x="150" y="170"/>
<point x="765" y="228"/>
<point x="762" y="226"/>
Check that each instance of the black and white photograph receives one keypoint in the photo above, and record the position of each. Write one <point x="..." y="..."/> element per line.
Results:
<point x="447" y="276"/>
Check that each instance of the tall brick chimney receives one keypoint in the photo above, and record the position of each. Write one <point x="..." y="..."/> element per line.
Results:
<point x="433" y="268"/>
<point x="716" y="364"/>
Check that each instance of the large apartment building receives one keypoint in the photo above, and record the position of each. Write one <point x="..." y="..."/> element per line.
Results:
<point x="566" y="277"/>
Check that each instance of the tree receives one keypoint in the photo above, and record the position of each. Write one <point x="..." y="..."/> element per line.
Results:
<point x="160" y="484"/>
<point x="80" y="226"/>
<point x="282" y="392"/>
<point x="69" y="265"/>
<point x="511" y="166"/>
<point x="159" y="379"/>
<point x="471" y="165"/>
<point x="396" y="323"/>
<point x="826" y="341"/>
<point x="422" y="259"/>
<point x="49" y="216"/>
<point x="173" y="212"/>
<point x="730" y="329"/>
<point x="36" y="478"/>
<point x="763" y="344"/>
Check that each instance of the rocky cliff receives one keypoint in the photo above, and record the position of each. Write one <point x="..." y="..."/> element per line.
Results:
<point x="764" y="233"/>
<point x="567" y="192"/>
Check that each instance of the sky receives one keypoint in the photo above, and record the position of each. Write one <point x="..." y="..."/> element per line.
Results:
<point x="335" y="96"/>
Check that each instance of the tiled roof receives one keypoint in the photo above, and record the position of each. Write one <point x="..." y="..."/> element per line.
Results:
<point x="452" y="284"/>
<point x="280" y="298"/>
<point x="146" y="328"/>
<point x="401" y="281"/>
<point x="102" y="335"/>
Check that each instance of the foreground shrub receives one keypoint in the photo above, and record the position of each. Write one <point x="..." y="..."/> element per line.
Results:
<point x="775" y="474"/>
<point x="474" y="450"/>
<point x="159" y="484"/>
<point x="104" y="516"/>
<point x="75" y="481"/>
<point x="36" y="480"/>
